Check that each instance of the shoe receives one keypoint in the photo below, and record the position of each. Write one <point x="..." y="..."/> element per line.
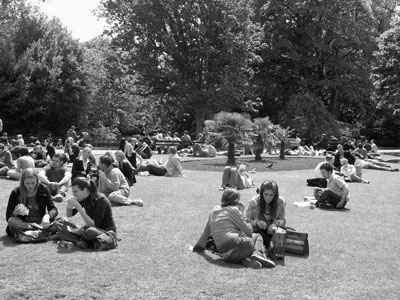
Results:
<point x="138" y="202"/>
<point x="82" y="245"/>
<point x="324" y="205"/>
<point x="367" y="181"/>
<point x="394" y="170"/>
<point x="252" y="264"/>
<point x="266" y="262"/>
<point x="221" y="188"/>
<point x="58" y="198"/>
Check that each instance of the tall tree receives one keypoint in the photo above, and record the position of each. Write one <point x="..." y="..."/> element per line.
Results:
<point x="317" y="48"/>
<point x="194" y="53"/>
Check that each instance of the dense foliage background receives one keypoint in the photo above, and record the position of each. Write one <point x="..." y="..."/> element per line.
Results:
<point x="170" y="65"/>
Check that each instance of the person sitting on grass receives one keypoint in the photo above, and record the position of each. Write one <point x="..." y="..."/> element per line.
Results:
<point x="337" y="193"/>
<point x="122" y="163"/>
<point x="5" y="160"/>
<point x="266" y="211"/>
<point x="39" y="155"/>
<point x="27" y="205"/>
<point x="113" y="183"/>
<point x="349" y="172"/>
<point x="171" y="168"/>
<point x="71" y="149"/>
<point x="143" y="149"/>
<point x="94" y="208"/>
<point x="24" y="161"/>
<point x="56" y="177"/>
<point x="236" y="177"/>
<point x="233" y="235"/>
<point x="205" y="151"/>
<point x="84" y="166"/>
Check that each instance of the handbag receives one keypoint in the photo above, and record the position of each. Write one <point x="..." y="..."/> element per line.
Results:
<point x="276" y="247"/>
<point x="297" y="243"/>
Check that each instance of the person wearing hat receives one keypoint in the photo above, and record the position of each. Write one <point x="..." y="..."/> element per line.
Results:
<point x="233" y="235"/>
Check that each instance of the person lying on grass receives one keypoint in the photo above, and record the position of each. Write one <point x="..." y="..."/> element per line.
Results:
<point x="337" y="193"/>
<point x="94" y="208"/>
<point x="349" y="171"/>
<point x="233" y="235"/>
<point x="27" y="205"/>
<point x="236" y="177"/>
<point x="171" y="168"/>
<point x="266" y="211"/>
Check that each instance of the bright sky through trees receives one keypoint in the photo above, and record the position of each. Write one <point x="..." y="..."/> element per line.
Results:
<point x="76" y="15"/>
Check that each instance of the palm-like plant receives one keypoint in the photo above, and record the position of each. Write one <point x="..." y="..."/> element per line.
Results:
<point x="282" y="134"/>
<point x="263" y="128"/>
<point x="233" y="127"/>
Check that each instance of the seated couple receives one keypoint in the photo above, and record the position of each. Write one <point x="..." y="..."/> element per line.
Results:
<point x="171" y="168"/>
<point x="244" y="236"/>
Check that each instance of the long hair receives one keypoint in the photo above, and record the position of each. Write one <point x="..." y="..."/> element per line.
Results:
<point x="82" y="183"/>
<point x="23" y="192"/>
<point x="268" y="185"/>
<point x="120" y="153"/>
<point x="122" y="144"/>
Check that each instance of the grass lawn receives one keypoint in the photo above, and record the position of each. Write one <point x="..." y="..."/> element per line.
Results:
<point x="353" y="253"/>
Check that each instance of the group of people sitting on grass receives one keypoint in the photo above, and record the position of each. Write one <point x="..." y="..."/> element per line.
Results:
<point x="31" y="207"/>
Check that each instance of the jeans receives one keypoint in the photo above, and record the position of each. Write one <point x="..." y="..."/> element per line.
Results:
<point x="330" y="197"/>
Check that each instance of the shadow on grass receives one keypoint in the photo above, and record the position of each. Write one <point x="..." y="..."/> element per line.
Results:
<point x="345" y="210"/>
<point x="8" y="241"/>
<point x="217" y="260"/>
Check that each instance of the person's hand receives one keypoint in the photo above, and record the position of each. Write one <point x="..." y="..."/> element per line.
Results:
<point x="198" y="248"/>
<point x="101" y="173"/>
<point x="54" y="185"/>
<point x="262" y="225"/>
<point x="72" y="202"/>
<point x="272" y="228"/>
<point x="45" y="221"/>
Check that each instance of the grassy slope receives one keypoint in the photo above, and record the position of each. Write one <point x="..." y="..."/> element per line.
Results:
<point x="353" y="253"/>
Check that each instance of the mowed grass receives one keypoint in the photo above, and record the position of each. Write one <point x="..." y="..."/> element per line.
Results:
<point x="353" y="253"/>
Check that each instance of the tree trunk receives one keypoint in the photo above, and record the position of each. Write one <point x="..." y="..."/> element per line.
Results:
<point x="200" y="118"/>
<point x="258" y="150"/>
<point x="231" y="154"/>
<point x="282" y="152"/>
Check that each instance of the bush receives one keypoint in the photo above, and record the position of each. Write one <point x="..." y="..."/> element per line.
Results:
<point x="104" y="133"/>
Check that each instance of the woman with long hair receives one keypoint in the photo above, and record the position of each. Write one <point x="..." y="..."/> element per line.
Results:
<point x="93" y="207"/>
<point x="266" y="211"/>
<point x="125" y="166"/>
<point x="84" y="166"/>
<point x="27" y="205"/>
<point x="233" y="235"/>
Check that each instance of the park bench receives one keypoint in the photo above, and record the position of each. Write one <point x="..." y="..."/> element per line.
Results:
<point x="162" y="145"/>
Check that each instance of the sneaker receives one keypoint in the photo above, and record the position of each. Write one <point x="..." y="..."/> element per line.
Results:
<point x="324" y="205"/>
<point x="58" y="198"/>
<point x="394" y="170"/>
<point x="252" y="264"/>
<point x="138" y="202"/>
<point x="266" y="262"/>
<point x="221" y="188"/>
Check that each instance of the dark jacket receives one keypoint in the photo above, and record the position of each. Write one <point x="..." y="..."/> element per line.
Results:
<point x="79" y="171"/>
<point x="43" y="199"/>
<point x="128" y="172"/>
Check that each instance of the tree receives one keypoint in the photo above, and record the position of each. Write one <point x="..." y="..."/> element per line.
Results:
<point x="193" y="53"/>
<point x="319" y="48"/>
<point x="233" y="127"/>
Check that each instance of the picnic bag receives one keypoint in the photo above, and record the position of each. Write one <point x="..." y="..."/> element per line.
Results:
<point x="102" y="240"/>
<point x="297" y="243"/>
<point x="30" y="236"/>
<point x="276" y="247"/>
